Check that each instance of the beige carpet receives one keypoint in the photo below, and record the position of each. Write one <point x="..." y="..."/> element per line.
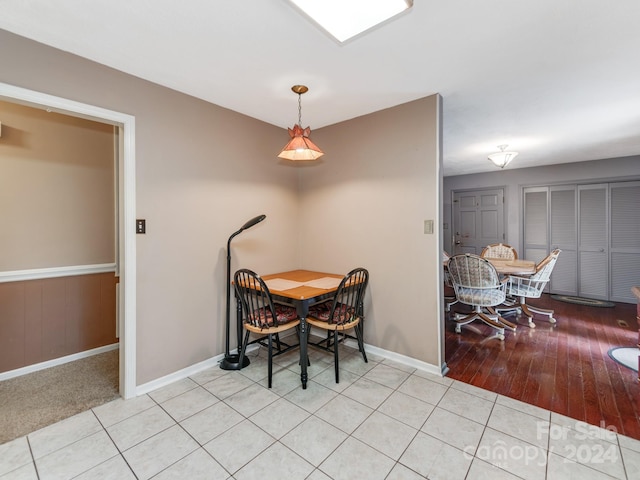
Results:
<point x="38" y="399"/>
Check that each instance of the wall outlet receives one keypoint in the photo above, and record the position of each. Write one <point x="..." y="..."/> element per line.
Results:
<point x="141" y="226"/>
<point x="428" y="227"/>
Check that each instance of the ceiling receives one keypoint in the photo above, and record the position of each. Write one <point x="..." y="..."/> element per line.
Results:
<point x="558" y="81"/>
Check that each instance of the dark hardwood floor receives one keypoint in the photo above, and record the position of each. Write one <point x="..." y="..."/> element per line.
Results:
<point x="564" y="367"/>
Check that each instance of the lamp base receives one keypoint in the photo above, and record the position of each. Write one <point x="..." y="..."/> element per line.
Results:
<point x="232" y="362"/>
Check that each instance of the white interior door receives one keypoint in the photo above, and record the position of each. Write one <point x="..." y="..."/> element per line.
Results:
<point x="478" y="220"/>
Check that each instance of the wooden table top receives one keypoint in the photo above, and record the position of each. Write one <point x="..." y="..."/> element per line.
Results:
<point x="302" y="284"/>
<point x="513" y="267"/>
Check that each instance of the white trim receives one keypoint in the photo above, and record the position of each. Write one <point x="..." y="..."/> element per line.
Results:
<point x="399" y="358"/>
<point x="440" y="307"/>
<point x="179" y="375"/>
<point x="55" y="272"/>
<point x="56" y="361"/>
<point x="186" y="372"/>
<point x="127" y="167"/>
<point x="127" y="263"/>
<point x="214" y="362"/>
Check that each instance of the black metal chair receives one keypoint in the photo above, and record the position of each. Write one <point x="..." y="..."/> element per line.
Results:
<point x="345" y="312"/>
<point x="262" y="317"/>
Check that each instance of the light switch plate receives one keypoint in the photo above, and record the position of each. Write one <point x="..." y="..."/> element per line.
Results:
<point x="428" y="227"/>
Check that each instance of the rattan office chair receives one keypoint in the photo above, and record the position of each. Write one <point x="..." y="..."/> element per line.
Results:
<point x="531" y="287"/>
<point x="477" y="284"/>
<point x="448" y="299"/>
<point x="499" y="250"/>
<point x="262" y="317"/>
<point x="344" y="313"/>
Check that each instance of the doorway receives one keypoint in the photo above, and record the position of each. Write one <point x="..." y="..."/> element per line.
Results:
<point x="478" y="219"/>
<point x="126" y="251"/>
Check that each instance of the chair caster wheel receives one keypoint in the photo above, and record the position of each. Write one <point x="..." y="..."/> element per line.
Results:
<point x="552" y="320"/>
<point x="500" y="337"/>
<point x="532" y="325"/>
<point x="458" y="329"/>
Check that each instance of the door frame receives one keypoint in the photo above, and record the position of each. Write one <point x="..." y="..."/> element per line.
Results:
<point x="126" y="199"/>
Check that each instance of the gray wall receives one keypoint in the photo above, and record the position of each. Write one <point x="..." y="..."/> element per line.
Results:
<point x="513" y="180"/>
<point x="198" y="179"/>
<point x="366" y="206"/>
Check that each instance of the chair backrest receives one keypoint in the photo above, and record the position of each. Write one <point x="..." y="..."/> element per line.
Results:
<point x="255" y="297"/>
<point x="472" y="271"/>
<point x="533" y="286"/>
<point x="499" y="250"/>
<point x="348" y="302"/>
<point x="545" y="267"/>
<point x="476" y="281"/>
<point x="445" y="260"/>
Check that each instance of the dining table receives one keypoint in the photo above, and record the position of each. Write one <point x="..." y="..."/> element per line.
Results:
<point x="506" y="267"/>
<point x="513" y="267"/>
<point x="302" y="289"/>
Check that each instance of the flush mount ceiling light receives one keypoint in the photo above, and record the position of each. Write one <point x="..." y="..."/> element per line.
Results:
<point x="344" y="19"/>
<point x="300" y="147"/>
<point x="501" y="159"/>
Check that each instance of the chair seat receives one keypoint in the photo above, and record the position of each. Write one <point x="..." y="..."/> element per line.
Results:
<point x="343" y="313"/>
<point x="525" y="290"/>
<point x="264" y="317"/>
<point x="486" y="297"/>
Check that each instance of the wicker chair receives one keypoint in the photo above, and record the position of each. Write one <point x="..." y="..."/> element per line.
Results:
<point x="448" y="299"/>
<point x="531" y="287"/>
<point x="262" y="317"/>
<point x="499" y="250"/>
<point x="477" y="284"/>
<point x="344" y="313"/>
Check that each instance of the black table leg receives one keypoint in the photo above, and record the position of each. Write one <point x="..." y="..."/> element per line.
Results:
<point x="303" y="352"/>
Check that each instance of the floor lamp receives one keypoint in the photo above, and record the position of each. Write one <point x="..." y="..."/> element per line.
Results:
<point x="232" y="362"/>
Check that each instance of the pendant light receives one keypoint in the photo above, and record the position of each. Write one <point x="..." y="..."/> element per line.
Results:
<point x="501" y="159"/>
<point x="300" y="147"/>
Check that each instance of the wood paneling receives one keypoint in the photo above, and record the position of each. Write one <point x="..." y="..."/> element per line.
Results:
<point x="45" y="319"/>
<point x="564" y="368"/>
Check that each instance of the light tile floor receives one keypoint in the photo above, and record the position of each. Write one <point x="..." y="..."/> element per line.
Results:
<point x="382" y="421"/>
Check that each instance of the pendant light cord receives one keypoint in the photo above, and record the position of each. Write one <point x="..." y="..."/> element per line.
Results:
<point x="300" y="110"/>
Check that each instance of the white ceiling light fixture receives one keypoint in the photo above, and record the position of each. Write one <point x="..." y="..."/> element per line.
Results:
<point x="345" y="19"/>
<point x="501" y="159"/>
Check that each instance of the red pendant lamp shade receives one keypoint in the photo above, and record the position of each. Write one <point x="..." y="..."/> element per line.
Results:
<point x="300" y="147"/>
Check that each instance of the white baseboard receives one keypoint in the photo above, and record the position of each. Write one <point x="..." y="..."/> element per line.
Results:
<point x="56" y="361"/>
<point x="215" y="361"/>
<point x="403" y="359"/>
<point x="185" y="372"/>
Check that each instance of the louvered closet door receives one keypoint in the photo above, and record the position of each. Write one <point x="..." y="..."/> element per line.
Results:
<point x="625" y="240"/>
<point x="593" y="247"/>
<point x="563" y="235"/>
<point x="536" y="221"/>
